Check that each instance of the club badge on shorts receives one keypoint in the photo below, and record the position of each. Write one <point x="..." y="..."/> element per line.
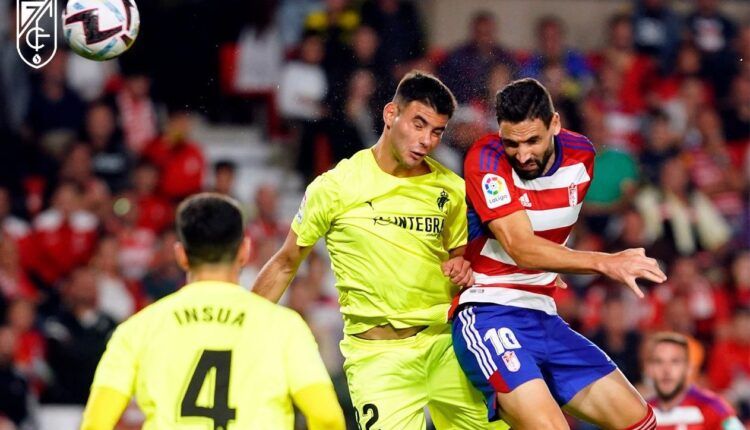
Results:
<point x="511" y="361"/>
<point x="36" y="31"/>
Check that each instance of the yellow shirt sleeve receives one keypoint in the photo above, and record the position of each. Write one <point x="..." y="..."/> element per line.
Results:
<point x="315" y="214"/>
<point x="319" y="405"/>
<point x="456" y="230"/>
<point x="302" y="361"/>
<point x="103" y="409"/>
<point x="117" y="367"/>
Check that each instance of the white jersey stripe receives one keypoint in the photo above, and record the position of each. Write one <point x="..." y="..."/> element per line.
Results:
<point x="680" y="415"/>
<point x="492" y="249"/>
<point x="562" y="178"/>
<point x="541" y="279"/>
<point x="551" y="219"/>
<point x="509" y="297"/>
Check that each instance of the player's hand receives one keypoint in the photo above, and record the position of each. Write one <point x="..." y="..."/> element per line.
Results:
<point x="459" y="270"/>
<point x="559" y="283"/>
<point x="631" y="264"/>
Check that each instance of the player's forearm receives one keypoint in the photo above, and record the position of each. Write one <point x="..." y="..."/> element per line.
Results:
<point x="275" y="277"/>
<point x="537" y="253"/>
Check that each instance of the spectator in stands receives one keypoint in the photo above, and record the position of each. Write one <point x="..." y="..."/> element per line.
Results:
<point x="265" y="225"/>
<point x="14" y="283"/>
<point x="154" y="211"/>
<point x="713" y="33"/>
<point x="615" y="182"/>
<point x="467" y="68"/>
<point x="110" y="158"/>
<point x="728" y="365"/>
<point x="31" y="349"/>
<point x="400" y="28"/>
<point x="13" y="227"/>
<point x="740" y="280"/>
<point x="113" y="294"/>
<point x="135" y="244"/>
<point x="618" y="336"/>
<point x="165" y="276"/>
<point x="551" y="49"/>
<point x="180" y="160"/>
<point x="54" y="107"/>
<point x="64" y="236"/>
<point x="14" y="389"/>
<point x="708" y="305"/>
<point x="303" y="82"/>
<point x="136" y="111"/>
<point x="15" y="85"/>
<point x="77" y="167"/>
<point x="637" y="70"/>
<point x="661" y="144"/>
<point x="76" y="337"/>
<point x="225" y="172"/>
<point x="736" y="114"/>
<point x="656" y="31"/>
<point x="360" y="107"/>
<point x="680" y="220"/>
<point x="335" y="22"/>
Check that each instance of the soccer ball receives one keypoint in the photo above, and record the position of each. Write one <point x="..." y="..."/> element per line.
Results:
<point x="100" y="29"/>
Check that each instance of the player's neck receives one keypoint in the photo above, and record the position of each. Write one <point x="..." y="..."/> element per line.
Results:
<point x="384" y="157"/>
<point x="552" y="158"/>
<point x="217" y="273"/>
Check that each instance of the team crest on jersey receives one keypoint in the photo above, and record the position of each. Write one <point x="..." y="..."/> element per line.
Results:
<point x="495" y="190"/>
<point x="36" y="31"/>
<point x="511" y="361"/>
<point x="573" y="194"/>
<point x="442" y="200"/>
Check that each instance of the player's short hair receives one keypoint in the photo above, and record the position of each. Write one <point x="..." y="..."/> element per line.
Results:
<point x="425" y="88"/>
<point x="524" y="99"/>
<point x="671" y="338"/>
<point x="210" y="227"/>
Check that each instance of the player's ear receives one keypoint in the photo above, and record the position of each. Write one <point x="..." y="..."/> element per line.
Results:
<point x="556" y="125"/>
<point x="390" y="111"/>
<point x="243" y="254"/>
<point x="181" y="256"/>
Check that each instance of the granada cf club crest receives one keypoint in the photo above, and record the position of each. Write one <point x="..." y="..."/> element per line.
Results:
<point x="36" y="31"/>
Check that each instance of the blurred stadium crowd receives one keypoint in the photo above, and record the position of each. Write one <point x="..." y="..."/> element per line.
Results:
<point x="94" y="158"/>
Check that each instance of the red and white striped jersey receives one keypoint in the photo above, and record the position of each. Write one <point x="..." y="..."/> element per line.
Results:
<point x="552" y="202"/>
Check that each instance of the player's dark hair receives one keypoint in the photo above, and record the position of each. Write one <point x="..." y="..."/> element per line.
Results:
<point x="672" y="338"/>
<point x="425" y="88"/>
<point x="524" y="99"/>
<point x="210" y="227"/>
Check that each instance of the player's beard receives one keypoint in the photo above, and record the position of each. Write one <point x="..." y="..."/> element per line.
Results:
<point x="527" y="175"/>
<point x="669" y="396"/>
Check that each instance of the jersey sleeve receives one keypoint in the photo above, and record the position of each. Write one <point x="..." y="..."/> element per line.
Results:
<point x="117" y="367"/>
<point x="455" y="234"/>
<point x="492" y="193"/>
<point x="315" y="214"/>
<point x="302" y="362"/>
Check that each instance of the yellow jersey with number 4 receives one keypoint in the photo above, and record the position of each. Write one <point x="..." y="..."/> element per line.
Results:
<point x="213" y="356"/>
<point x="387" y="237"/>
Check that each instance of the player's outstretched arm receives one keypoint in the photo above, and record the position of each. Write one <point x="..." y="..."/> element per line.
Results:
<point x="458" y="269"/>
<point x="278" y="272"/>
<point x="320" y="406"/>
<point x="103" y="409"/>
<point x="516" y="235"/>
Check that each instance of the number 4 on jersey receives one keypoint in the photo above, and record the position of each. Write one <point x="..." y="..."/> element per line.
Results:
<point x="220" y="412"/>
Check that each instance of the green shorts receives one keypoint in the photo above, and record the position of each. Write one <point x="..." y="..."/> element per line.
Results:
<point x="391" y="381"/>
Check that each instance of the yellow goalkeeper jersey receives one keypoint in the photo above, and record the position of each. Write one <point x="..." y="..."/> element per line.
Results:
<point x="213" y="356"/>
<point x="387" y="237"/>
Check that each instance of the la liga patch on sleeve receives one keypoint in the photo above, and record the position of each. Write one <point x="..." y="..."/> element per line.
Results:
<point x="495" y="191"/>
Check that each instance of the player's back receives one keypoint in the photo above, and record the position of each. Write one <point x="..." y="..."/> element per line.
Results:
<point x="210" y="355"/>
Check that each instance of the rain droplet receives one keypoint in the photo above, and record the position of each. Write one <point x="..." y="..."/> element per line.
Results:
<point x="37" y="59"/>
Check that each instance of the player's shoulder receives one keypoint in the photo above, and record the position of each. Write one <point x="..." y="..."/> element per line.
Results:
<point x="576" y="142"/>
<point x="347" y="171"/>
<point x="280" y="318"/>
<point x="485" y="154"/>
<point x="445" y="176"/>
<point x="711" y="401"/>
